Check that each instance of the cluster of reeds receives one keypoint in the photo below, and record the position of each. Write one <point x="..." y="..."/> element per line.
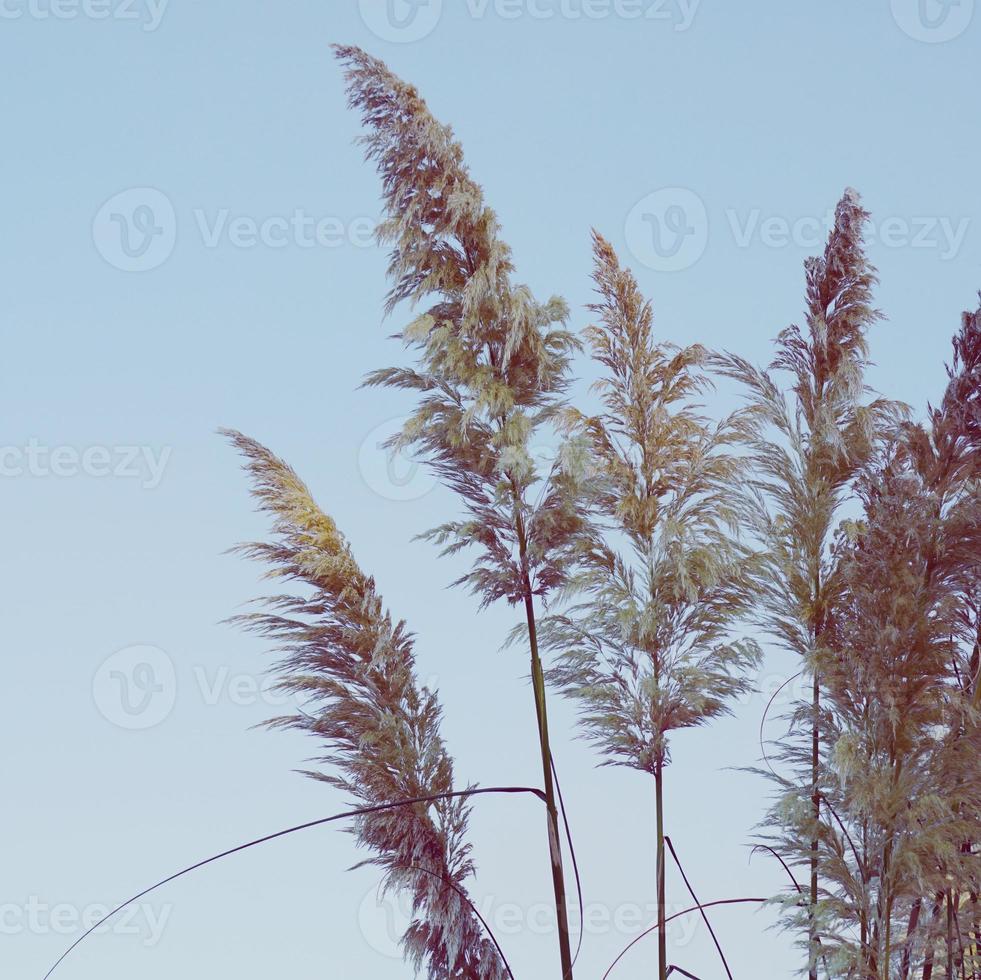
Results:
<point x="659" y="537"/>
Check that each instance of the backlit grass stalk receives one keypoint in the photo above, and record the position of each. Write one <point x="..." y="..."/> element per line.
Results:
<point x="806" y="455"/>
<point x="900" y="670"/>
<point x="354" y="667"/>
<point x="491" y="365"/>
<point x="645" y="645"/>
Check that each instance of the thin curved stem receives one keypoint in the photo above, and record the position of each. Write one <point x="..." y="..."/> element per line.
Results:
<point x="575" y="862"/>
<point x="851" y="843"/>
<point x="346" y="815"/>
<point x="766" y="711"/>
<point x="694" y="908"/>
<point x="705" y="918"/>
<point x="797" y="885"/>
<point x="766" y="847"/>
<point x="473" y="908"/>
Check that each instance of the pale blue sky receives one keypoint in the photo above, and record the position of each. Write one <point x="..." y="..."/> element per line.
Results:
<point x="755" y="117"/>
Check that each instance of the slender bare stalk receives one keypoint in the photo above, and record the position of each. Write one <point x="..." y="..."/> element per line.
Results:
<point x="662" y="936"/>
<point x="541" y="709"/>
<point x="914" y="921"/>
<point x="816" y="812"/>
<point x="932" y="936"/>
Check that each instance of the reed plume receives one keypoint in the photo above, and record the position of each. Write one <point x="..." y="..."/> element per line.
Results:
<point x="806" y="456"/>
<point x="491" y="366"/>
<point x="354" y="666"/>
<point x="645" y="648"/>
